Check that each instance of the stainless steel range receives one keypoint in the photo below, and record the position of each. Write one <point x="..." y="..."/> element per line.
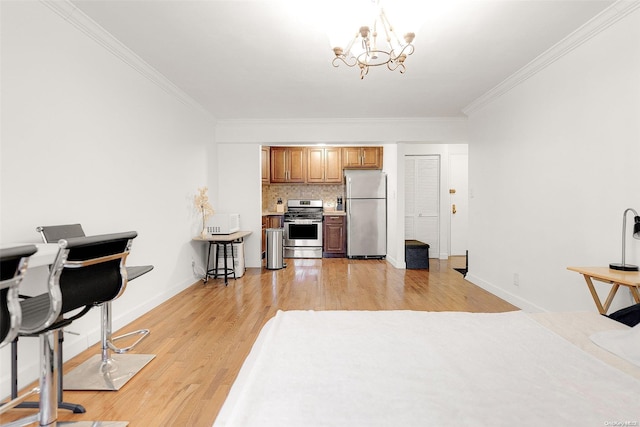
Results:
<point x="303" y="229"/>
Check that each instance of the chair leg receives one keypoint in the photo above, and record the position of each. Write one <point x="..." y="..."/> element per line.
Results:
<point x="73" y="407"/>
<point x="48" y="378"/>
<point x="48" y="381"/>
<point x="48" y="404"/>
<point x="107" y="371"/>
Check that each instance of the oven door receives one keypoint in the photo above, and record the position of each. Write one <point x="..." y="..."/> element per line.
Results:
<point x="303" y="232"/>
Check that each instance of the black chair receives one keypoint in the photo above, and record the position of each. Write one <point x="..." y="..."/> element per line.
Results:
<point x="13" y="265"/>
<point x="97" y="373"/>
<point x="87" y="271"/>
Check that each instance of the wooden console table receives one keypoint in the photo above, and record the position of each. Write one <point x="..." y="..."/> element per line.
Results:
<point x="615" y="278"/>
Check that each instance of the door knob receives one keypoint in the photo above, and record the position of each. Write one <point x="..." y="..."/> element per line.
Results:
<point x="453" y="209"/>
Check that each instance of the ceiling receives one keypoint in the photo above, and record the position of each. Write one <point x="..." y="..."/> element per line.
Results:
<point x="271" y="59"/>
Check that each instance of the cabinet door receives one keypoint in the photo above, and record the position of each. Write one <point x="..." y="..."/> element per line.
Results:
<point x="278" y="164"/>
<point x="351" y="157"/>
<point x="275" y="221"/>
<point x="265" y="165"/>
<point x="296" y="164"/>
<point x="362" y="157"/>
<point x="333" y="165"/>
<point x="315" y="165"/>
<point x="334" y="237"/>
<point x="371" y="157"/>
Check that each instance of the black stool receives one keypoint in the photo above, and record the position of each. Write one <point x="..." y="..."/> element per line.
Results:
<point x="226" y="270"/>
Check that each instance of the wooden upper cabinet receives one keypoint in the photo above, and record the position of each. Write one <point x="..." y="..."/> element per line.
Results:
<point x="288" y="164"/>
<point x="333" y="165"/>
<point x="324" y="165"/>
<point x="362" y="157"/>
<point x="315" y="164"/>
<point x="266" y="165"/>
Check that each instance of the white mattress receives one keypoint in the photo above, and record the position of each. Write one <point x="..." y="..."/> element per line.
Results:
<point x="408" y="368"/>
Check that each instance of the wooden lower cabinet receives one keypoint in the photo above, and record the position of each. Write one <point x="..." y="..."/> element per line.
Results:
<point x="334" y="236"/>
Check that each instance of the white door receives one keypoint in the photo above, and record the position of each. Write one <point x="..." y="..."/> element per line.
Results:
<point x="459" y="202"/>
<point x="422" y="201"/>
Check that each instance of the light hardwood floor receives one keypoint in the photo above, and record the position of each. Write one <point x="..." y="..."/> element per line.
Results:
<point x="202" y="335"/>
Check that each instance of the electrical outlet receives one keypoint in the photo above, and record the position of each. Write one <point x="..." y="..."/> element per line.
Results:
<point x="516" y="279"/>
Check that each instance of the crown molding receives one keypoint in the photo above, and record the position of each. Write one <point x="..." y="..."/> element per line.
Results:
<point x="600" y="22"/>
<point x="344" y="121"/>
<point x="89" y="27"/>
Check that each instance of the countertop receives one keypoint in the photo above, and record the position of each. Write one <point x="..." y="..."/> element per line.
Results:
<point x="328" y="212"/>
<point x="272" y="213"/>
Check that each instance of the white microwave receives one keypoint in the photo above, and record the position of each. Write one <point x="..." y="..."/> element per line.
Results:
<point x="223" y="223"/>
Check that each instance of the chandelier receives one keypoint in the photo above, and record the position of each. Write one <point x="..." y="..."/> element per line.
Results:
<point x="366" y="50"/>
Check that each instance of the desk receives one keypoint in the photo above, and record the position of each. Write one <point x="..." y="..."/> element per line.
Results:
<point x="35" y="282"/>
<point x="45" y="255"/>
<point x="223" y="240"/>
<point x="616" y="278"/>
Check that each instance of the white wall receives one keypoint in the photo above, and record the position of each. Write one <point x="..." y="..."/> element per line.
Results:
<point x="240" y="191"/>
<point x="553" y="164"/>
<point x="239" y="151"/>
<point x="86" y="138"/>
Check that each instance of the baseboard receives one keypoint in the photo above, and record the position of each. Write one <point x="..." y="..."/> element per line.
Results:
<point x="395" y="263"/>
<point x="516" y="300"/>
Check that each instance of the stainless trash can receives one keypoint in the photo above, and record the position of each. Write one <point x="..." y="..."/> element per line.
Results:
<point x="275" y="248"/>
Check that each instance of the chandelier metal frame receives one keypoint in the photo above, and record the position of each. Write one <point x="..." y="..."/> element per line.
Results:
<point x="373" y="55"/>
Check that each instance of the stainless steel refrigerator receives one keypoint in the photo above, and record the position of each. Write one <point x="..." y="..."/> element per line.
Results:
<point x="366" y="208"/>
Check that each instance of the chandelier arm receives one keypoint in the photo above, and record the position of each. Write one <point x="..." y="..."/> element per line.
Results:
<point x="406" y="50"/>
<point x="364" y="70"/>
<point x="345" y="60"/>
<point x="395" y="65"/>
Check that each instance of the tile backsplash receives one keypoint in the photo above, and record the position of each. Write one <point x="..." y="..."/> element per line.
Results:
<point x="325" y="192"/>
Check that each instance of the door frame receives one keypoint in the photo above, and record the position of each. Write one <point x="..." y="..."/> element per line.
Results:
<point x="434" y="252"/>
<point x="458" y="223"/>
